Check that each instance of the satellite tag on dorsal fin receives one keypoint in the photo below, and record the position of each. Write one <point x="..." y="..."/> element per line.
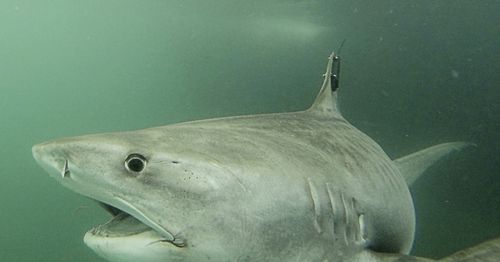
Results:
<point x="326" y="100"/>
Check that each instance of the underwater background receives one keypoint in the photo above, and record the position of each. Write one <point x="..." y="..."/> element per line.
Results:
<point x="414" y="74"/>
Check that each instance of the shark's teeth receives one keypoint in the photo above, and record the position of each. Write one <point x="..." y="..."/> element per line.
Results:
<point x="127" y="207"/>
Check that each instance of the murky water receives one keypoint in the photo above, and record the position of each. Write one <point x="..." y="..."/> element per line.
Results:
<point x="413" y="75"/>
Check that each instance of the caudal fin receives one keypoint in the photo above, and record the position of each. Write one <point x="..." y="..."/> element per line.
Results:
<point x="413" y="165"/>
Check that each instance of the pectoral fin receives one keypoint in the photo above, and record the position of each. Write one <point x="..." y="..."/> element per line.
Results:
<point x="488" y="251"/>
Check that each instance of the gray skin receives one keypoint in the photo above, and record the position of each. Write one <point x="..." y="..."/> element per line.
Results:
<point x="301" y="186"/>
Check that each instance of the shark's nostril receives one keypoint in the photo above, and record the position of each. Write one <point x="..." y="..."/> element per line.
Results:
<point x="53" y="158"/>
<point x="65" y="171"/>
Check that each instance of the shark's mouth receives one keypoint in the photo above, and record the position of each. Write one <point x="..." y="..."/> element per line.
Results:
<point x="123" y="224"/>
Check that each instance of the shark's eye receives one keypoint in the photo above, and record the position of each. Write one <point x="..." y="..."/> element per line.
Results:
<point x="135" y="163"/>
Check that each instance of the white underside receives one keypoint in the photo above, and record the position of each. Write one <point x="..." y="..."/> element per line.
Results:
<point x="144" y="247"/>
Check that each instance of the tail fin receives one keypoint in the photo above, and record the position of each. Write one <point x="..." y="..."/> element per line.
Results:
<point x="413" y="165"/>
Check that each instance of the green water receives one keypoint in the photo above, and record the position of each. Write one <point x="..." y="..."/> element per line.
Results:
<point x="413" y="75"/>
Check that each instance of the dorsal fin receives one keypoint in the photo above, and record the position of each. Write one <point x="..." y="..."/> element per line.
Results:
<point x="326" y="100"/>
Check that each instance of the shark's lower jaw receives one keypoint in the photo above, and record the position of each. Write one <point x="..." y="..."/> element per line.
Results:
<point x="123" y="225"/>
<point x="125" y="238"/>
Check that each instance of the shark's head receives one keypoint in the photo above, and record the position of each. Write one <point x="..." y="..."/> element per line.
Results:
<point x="179" y="198"/>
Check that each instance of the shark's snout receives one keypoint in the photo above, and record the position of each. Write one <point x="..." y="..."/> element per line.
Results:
<point x="36" y="150"/>
<point x="51" y="157"/>
<point x="40" y="153"/>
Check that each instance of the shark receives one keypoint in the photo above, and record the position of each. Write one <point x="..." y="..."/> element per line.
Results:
<point x="294" y="186"/>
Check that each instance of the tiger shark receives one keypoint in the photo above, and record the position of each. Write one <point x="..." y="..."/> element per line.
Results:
<point x="295" y="186"/>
